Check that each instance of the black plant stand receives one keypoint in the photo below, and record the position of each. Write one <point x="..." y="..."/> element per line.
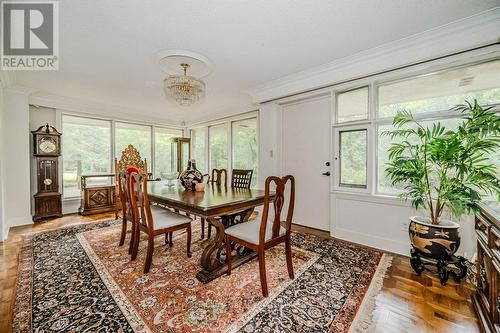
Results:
<point x="419" y="263"/>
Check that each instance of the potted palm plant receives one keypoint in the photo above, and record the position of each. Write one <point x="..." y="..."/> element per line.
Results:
<point x="445" y="172"/>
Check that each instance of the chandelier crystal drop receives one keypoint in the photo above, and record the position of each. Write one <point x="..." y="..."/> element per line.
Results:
<point x="185" y="89"/>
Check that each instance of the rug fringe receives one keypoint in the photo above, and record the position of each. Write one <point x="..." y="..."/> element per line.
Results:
<point x="363" y="322"/>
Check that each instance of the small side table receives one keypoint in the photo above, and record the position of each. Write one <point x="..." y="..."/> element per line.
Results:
<point x="97" y="198"/>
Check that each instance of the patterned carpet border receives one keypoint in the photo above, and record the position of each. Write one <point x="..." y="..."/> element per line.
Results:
<point x="355" y="315"/>
<point x="363" y="321"/>
<point x="128" y="310"/>
<point x="22" y="314"/>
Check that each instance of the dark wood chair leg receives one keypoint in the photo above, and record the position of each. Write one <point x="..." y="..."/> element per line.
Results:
<point x="132" y="237"/>
<point x="262" y="271"/>
<point x="202" y="228"/>
<point x="149" y="254"/>
<point x="170" y="242"/>
<point x="228" y="254"/>
<point x="188" y="231"/>
<point x="124" y="232"/>
<point x="289" y="264"/>
<point x="166" y="238"/>
<point x="209" y="230"/>
<point x="135" y="241"/>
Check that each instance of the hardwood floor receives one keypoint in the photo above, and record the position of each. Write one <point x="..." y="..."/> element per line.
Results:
<point x="406" y="303"/>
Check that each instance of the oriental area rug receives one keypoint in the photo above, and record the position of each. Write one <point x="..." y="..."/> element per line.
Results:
<point x="77" y="279"/>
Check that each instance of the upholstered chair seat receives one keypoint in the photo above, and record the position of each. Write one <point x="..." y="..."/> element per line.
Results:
<point x="269" y="232"/>
<point x="249" y="231"/>
<point x="164" y="218"/>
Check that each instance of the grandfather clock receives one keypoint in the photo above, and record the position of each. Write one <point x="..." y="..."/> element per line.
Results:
<point x="47" y="149"/>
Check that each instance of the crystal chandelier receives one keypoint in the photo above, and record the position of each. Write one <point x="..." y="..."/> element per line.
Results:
<point x="185" y="89"/>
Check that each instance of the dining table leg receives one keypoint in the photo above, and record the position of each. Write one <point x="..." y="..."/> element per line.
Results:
<point x="211" y="263"/>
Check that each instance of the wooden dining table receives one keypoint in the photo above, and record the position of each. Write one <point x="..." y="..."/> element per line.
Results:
<point x="220" y="206"/>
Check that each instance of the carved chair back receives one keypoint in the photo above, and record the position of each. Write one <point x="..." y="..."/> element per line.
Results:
<point x="278" y="204"/>
<point x="241" y="178"/>
<point x="123" y="193"/>
<point x="141" y="211"/>
<point x="130" y="158"/>
<point x="217" y="175"/>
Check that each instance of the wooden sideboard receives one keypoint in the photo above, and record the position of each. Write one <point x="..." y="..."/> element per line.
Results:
<point x="486" y="299"/>
<point x="97" y="198"/>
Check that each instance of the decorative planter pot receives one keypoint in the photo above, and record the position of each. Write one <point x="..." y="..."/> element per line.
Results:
<point x="191" y="176"/>
<point x="439" y="242"/>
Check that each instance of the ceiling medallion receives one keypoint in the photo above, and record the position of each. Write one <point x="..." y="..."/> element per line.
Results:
<point x="185" y="89"/>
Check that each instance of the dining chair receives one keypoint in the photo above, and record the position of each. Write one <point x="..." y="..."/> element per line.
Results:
<point x="241" y="178"/>
<point x="126" y="209"/>
<point x="219" y="178"/>
<point x="153" y="222"/>
<point x="262" y="236"/>
<point x="130" y="157"/>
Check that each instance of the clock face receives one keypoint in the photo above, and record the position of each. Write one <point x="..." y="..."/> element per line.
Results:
<point x="47" y="145"/>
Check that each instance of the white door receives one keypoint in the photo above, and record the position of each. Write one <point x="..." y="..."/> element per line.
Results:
<point x="306" y="156"/>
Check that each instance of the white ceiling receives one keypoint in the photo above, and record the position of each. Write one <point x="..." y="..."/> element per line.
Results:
<point x="108" y="48"/>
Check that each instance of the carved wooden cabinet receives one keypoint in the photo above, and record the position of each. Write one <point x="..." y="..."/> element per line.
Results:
<point x="97" y="198"/>
<point x="486" y="299"/>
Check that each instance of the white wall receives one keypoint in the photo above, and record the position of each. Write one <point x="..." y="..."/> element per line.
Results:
<point x="382" y="222"/>
<point x="269" y="134"/>
<point x="16" y="153"/>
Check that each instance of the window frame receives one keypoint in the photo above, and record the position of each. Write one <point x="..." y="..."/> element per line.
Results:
<point x="351" y="89"/>
<point x="374" y="121"/>
<point x="227" y="126"/>
<point x="337" y="186"/>
<point x="111" y="157"/>
<point x="228" y="122"/>
<point x="151" y="166"/>
<point x="231" y="125"/>
<point x="206" y="148"/>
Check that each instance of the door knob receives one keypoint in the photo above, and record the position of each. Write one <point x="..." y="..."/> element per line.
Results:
<point x="326" y="173"/>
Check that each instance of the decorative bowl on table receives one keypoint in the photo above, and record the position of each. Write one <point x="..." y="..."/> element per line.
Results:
<point x="169" y="177"/>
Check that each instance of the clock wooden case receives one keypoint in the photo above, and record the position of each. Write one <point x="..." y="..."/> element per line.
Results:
<point x="47" y="149"/>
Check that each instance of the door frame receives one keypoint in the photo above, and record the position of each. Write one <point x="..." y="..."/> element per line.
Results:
<point x="281" y="141"/>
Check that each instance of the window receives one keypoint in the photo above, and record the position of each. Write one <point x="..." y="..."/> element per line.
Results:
<point x="245" y="146"/>
<point x="164" y="162"/>
<point x="352" y="158"/>
<point x="352" y="105"/>
<point x="384" y="143"/>
<point x="137" y="135"/>
<point x="434" y="93"/>
<point x="441" y="91"/>
<point x="198" y="148"/>
<point x="218" y="141"/>
<point x="86" y="150"/>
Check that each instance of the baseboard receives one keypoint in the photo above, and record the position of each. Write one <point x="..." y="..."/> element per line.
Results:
<point x="19" y="221"/>
<point x="385" y="244"/>
<point x="70" y="206"/>
<point x="16" y="222"/>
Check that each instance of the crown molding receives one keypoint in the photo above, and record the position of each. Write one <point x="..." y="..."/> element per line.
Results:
<point x="477" y="30"/>
<point x="222" y="117"/>
<point x="93" y="108"/>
